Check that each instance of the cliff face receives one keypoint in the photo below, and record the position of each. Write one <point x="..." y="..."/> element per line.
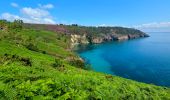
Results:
<point x="79" y="39"/>
<point x="97" y="40"/>
<point x="83" y="39"/>
<point x="104" y="34"/>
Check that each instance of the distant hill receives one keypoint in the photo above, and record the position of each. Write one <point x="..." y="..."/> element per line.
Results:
<point x="83" y="34"/>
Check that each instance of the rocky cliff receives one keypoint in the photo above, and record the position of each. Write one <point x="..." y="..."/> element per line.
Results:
<point x="79" y="39"/>
<point x="85" y="35"/>
<point x="103" y="34"/>
<point x="84" y="39"/>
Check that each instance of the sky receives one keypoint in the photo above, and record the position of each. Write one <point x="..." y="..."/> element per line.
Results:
<point x="147" y="15"/>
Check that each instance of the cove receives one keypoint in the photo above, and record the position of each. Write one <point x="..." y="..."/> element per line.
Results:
<point x="144" y="60"/>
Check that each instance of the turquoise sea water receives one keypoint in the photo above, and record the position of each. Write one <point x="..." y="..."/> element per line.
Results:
<point x="145" y="60"/>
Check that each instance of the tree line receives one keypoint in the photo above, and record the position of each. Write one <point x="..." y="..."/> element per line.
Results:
<point x="16" y="25"/>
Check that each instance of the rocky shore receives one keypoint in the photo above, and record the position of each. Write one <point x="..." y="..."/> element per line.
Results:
<point x="84" y="39"/>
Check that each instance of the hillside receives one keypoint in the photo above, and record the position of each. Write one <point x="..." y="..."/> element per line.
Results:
<point x="38" y="64"/>
<point x="85" y="35"/>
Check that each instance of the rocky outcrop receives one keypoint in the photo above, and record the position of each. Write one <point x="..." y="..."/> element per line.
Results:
<point x="123" y="37"/>
<point x="117" y="37"/>
<point x="97" y="40"/>
<point x="79" y="39"/>
<point x="134" y="36"/>
<point x="82" y="39"/>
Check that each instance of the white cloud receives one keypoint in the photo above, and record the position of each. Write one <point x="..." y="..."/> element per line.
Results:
<point x="103" y="25"/>
<point x="34" y="12"/>
<point x="12" y="17"/>
<point x="47" y="6"/>
<point x="154" y="25"/>
<point x="48" y="20"/>
<point x="9" y="16"/>
<point x="31" y="15"/>
<point x="14" y="5"/>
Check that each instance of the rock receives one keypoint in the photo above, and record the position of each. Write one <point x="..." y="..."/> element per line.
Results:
<point x="78" y="39"/>
<point x="122" y="38"/>
<point x="97" y="40"/>
<point x="118" y="35"/>
<point x="133" y="36"/>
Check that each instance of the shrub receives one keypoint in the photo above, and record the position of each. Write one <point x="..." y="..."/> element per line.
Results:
<point x="32" y="47"/>
<point x="44" y="52"/>
<point x="58" y="63"/>
<point x="78" y="63"/>
<point x="26" y="61"/>
<point x="7" y="58"/>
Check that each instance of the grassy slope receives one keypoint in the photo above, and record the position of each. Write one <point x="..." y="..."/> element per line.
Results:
<point x="42" y="80"/>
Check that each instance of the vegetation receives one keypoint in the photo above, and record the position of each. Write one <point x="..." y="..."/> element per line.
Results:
<point x="90" y="31"/>
<point x="37" y="64"/>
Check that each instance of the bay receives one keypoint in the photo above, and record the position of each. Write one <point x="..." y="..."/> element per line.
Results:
<point x="144" y="60"/>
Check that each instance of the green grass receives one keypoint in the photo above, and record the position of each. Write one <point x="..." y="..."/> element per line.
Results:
<point x="43" y="71"/>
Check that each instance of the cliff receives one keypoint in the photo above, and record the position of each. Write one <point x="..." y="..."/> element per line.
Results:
<point x="85" y="35"/>
<point x="105" y="37"/>
<point x="76" y="39"/>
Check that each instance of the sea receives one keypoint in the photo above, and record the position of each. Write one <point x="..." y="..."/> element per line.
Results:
<point x="145" y="59"/>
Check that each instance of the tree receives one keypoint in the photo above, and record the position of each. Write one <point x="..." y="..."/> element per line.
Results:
<point x="17" y="25"/>
<point x="74" y="24"/>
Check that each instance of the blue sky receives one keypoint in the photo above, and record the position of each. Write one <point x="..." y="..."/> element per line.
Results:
<point x="148" y="15"/>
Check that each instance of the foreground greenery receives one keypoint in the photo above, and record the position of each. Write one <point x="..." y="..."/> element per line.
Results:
<point x="37" y="64"/>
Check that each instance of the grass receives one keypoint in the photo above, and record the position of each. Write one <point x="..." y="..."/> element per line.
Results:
<point x="43" y="71"/>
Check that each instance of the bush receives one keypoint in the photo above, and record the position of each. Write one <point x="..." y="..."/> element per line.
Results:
<point x="58" y="63"/>
<point x="78" y="63"/>
<point x="8" y="59"/>
<point x="44" y="52"/>
<point x="32" y="47"/>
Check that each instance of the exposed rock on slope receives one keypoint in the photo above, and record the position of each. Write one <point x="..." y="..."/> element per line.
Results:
<point x="76" y="39"/>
